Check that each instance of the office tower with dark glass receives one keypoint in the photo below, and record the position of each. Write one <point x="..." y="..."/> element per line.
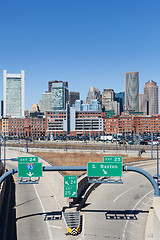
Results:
<point x="151" y="91"/>
<point x="13" y="93"/>
<point x="120" y="97"/>
<point x="132" y="91"/>
<point x="73" y="96"/>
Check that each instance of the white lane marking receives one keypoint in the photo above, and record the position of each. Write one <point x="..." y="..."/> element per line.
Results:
<point x="132" y="233"/>
<point x="125" y="192"/>
<point x="56" y="227"/>
<point x="146" y="203"/>
<point x="48" y="226"/>
<point x="124" y="232"/>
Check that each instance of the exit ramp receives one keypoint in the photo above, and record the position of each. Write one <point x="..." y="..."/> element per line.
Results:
<point x="72" y="221"/>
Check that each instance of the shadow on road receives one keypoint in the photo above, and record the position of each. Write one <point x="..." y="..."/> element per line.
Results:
<point x="57" y="215"/>
<point x="119" y="214"/>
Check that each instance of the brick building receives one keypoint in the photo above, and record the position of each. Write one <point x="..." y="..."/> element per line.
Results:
<point x="24" y="127"/>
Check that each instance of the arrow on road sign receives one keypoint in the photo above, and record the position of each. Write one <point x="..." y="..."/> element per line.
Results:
<point x="105" y="172"/>
<point x="30" y="174"/>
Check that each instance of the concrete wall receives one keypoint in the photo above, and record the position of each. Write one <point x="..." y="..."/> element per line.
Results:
<point x="156" y="218"/>
<point x="7" y="211"/>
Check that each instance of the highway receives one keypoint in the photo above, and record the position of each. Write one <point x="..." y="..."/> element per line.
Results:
<point x="38" y="213"/>
<point x="118" y="211"/>
<point x="113" y="211"/>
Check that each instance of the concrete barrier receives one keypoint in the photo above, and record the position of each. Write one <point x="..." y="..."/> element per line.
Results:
<point x="156" y="218"/>
<point x="7" y="212"/>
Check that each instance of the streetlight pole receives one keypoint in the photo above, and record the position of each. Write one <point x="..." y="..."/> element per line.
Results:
<point x="157" y="165"/>
<point x="26" y="145"/>
<point x="66" y="142"/>
<point x="103" y="143"/>
<point x="4" y="139"/>
<point x="116" y="138"/>
<point x="139" y="151"/>
<point x="151" y="144"/>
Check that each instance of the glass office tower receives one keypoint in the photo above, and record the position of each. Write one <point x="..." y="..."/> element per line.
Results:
<point x="59" y="95"/>
<point x="13" y="94"/>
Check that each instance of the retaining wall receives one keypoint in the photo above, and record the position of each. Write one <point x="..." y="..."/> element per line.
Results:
<point x="156" y="218"/>
<point x="7" y="211"/>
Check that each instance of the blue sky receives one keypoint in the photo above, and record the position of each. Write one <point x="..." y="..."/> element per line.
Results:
<point x="85" y="42"/>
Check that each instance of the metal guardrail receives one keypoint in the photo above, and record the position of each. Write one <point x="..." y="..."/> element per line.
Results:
<point x="84" y="168"/>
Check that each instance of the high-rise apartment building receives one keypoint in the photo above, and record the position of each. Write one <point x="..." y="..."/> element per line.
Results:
<point x="93" y="93"/>
<point x="132" y="91"/>
<point x="151" y="91"/>
<point x="73" y="96"/>
<point x="13" y="93"/>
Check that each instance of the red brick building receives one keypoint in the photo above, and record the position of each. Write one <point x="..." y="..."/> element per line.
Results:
<point x="132" y="124"/>
<point x="24" y="127"/>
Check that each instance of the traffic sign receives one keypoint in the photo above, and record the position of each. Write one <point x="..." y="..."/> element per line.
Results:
<point x="70" y="186"/>
<point x="98" y="169"/>
<point x="30" y="169"/>
<point x="27" y="159"/>
<point x="113" y="159"/>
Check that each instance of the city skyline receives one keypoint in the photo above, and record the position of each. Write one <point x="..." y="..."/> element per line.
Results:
<point x="130" y="91"/>
<point x="83" y="43"/>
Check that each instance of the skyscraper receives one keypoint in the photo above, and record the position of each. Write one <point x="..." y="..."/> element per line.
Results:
<point x="120" y="97"/>
<point x="73" y="96"/>
<point x="93" y="93"/>
<point x="46" y="102"/>
<point x="13" y="88"/>
<point x="59" y="95"/>
<point x="151" y="91"/>
<point x="143" y="104"/>
<point x="132" y="91"/>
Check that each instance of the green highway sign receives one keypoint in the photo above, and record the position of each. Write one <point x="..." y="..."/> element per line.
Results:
<point x="27" y="159"/>
<point x="113" y="159"/>
<point x="30" y="169"/>
<point x="98" y="169"/>
<point x="70" y="186"/>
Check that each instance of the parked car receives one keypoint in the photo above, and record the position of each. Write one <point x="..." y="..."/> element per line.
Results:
<point x="143" y="142"/>
<point x="154" y="143"/>
<point x="131" y="142"/>
<point x="122" y="142"/>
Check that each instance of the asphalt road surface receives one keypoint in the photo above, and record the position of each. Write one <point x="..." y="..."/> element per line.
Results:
<point x="118" y="211"/>
<point x="113" y="211"/>
<point x="38" y="214"/>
